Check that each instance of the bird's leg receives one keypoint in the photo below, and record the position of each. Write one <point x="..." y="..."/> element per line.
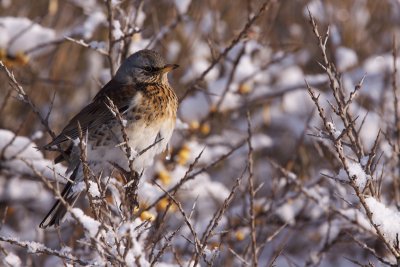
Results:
<point x="131" y="179"/>
<point x="131" y="188"/>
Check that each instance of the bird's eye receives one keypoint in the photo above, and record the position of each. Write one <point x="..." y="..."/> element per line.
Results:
<point x="149" y="69"/>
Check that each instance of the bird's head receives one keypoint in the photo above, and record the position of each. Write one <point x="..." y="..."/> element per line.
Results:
<point x="144" y="66"/>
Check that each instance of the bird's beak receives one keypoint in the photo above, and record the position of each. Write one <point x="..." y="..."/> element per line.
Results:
<point x="167" y="68"/>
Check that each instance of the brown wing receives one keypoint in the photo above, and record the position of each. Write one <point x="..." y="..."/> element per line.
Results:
<point x="96" y="113"/>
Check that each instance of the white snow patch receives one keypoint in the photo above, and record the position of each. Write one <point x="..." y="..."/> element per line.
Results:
<point x="378" y="64"/>
<point x="90" y="224"/>
<point x="332" y="128"/>
<point x="79" y="187"/>
<point x="288" y="211"/>
<point x="13" y="260"/>
<point x="86" y="30"/>
<point x="174" y="48"/>
<point x="345" y="58"/>
<point x="194" y="107"/>
<point x="260" y="141"/>
<point x="37" y="135"/>
<point x="297" y="103"/>
<point x="30" y="35"/>
<point x="291" y="76"/>
<point x="116" y="31"/>
<point x="182" y="5"/>
<point x="317" y="9"/>
<point x="94" y="189"/>
<point x="97" y="45"/>
<point x="387" y="219"/>
<point x="356" y="172"/>
<point x="21" y="155"/>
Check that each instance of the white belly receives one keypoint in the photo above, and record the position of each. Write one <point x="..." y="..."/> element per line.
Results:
<point x="145" y="141"/>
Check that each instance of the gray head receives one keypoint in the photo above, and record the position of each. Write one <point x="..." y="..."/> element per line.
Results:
<point x="144" y="66"/>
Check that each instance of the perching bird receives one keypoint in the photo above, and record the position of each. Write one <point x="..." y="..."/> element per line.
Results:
<point x="147" y="103"/>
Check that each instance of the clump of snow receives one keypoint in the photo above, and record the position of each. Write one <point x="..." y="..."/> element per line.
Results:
<point x="79" y="187"/>
<point x="21" y="155"/>
<point x="30" y="35"/>
<point x="173" y="50"/>
<point x="90" y="224"/>
<point x="289" y="210"/>
<point x="297" y="103"/>
<point x="182" y="5"/>
<point x="316" y="8"/>
<point x="387" y="219"/>
<point x="332" y="129"/>
<point x="66" y="250"/>
<point x="194" y="107"/>
<point x="260" y="141"/>
<point x="18" y="189"/>
<point x="37" y="135"/>
<point x="137" y="234"/>
<point x="200" y="62"/>
<point x="356" y="173"/>
<point x="12" y="260"/>
<point x="371" y="125"/>
<point x="378" y="64"/>
<point x="86" y="30"/>
<point x="34" y="247"/>
<point x="345" y="58"/>
<point x="97" y="45"/>
<point x="116" y="31"/>
<point x="291" y="76"/>
<point x="334" y="35"/>
<point x="94" y="189"/>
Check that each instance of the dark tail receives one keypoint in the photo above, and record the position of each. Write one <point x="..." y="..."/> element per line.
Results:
<point x="58" y="211"/>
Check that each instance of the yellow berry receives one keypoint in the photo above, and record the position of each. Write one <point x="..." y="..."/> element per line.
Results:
<point x="244" y="89"/>
<point x="163" y="204"/>
<point x="147" y="216"/>
<point x="240" y="236"/>
<point x="21" y="58"/>
<point x="164" y="177"/>
<point x="137" y="37"/>
<point x="194" y="125"/>
<point x="214" y="245"/>
<point x="183" y="155"/>
<point x="205" y="128"/>
<point x="258" y="208"/>
<point x="136" y="210"/>
<point x="213" y="109"/>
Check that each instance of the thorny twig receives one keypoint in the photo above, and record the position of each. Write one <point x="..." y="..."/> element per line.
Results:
<point x="110" y="19"/>
<point x="218" y="216"/>
<point x="35" y="247"/>
<point x="233" y="43"/>
<point x="25" y="98"/>
<point x="193" y="175"/>
<point x="197" y="242"/>
<point x="251" y="194"/>
<point x="396" y="123"/>
<point x="337" y="143"/>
